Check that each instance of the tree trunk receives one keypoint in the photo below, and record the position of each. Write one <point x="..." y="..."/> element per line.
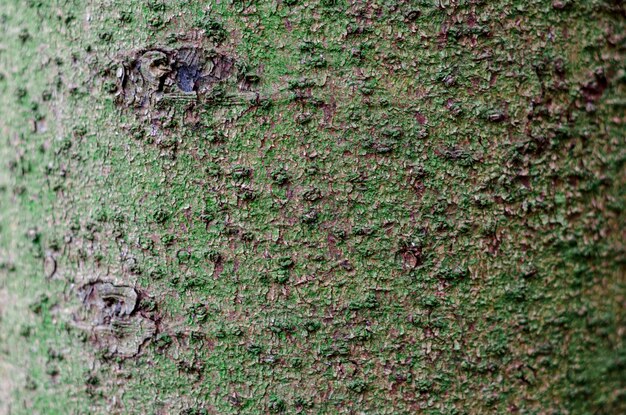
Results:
<point x="316" y="207"/>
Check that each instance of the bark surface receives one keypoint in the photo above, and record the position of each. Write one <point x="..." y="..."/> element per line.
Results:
<point x="316" y="207"/>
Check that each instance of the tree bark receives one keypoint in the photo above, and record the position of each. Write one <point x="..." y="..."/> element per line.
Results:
<point x="317" y="207"/>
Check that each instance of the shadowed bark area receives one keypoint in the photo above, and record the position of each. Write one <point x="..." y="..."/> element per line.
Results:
<point x="315" y="207"/>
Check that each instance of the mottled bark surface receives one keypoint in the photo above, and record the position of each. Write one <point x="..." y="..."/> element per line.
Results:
<point x="317" y="207"/>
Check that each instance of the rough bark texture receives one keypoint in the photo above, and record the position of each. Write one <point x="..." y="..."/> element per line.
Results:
<point x="318" y="207"/>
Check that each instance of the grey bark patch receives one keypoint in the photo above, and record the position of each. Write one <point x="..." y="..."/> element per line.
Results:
<point x="108" y="300"/>
<point x="154" y="65"/>
<point x="49" y="266"/>
<point x="108" y="312"/>
<point x="124" y="337"/>
<point x="147" y="76"/>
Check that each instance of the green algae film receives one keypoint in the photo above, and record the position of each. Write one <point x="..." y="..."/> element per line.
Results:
<point x="383" y="207"/>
